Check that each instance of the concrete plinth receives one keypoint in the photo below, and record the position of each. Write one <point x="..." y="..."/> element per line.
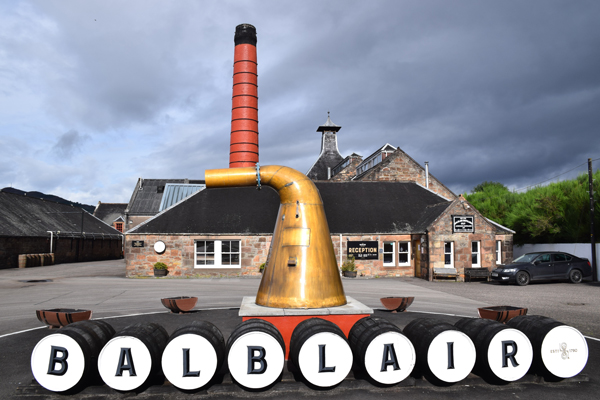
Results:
<point x="286" y="319"/>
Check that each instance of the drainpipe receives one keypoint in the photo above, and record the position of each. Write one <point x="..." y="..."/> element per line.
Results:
<point x="427" y="174"/>
<point x="341" y="251"/>
<point x="51" y="236"/>
<point x="328" y="173"/>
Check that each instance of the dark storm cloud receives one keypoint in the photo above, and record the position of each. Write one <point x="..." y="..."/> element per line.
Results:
<point x="69" y="143"/>
<point x="505" y="91"/>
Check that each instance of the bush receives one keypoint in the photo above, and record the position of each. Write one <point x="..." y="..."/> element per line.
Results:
<point x="349" y="264"/>
<point x="160" y="265"/>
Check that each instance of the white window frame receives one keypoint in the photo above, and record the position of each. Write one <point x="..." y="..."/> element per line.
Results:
<point x="477" y="254"/>
<point x="393" y="253"/>
<point x="498" y="251"/>
<point x="451" y="265"/>
<point x="408" y="253"/>
<point x="218" y="253"/>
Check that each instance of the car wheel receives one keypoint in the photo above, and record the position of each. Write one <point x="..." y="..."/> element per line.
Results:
<point x="575" y="276"/>
<point x="522" y="278"/>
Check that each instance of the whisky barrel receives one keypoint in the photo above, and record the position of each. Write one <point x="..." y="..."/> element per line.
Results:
<point x="68" y="359"/>
<point x="194" y="355"/>
<point x="504" y="354"/>
<point x="559" y="351"/>
<point x="132" y="357"/>
<point x="255" y="354"/>
<point x="445" y="355"/>
<point x="381" y="350"/>
<point x="321" y="353"/>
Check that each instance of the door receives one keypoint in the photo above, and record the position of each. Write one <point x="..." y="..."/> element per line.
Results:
<point x="542" y="267"/>
<point x="416" y="254"/>
<point x="562" y="265"/>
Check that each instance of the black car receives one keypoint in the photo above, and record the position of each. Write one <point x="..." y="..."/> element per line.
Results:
<point x="543" y="266"/>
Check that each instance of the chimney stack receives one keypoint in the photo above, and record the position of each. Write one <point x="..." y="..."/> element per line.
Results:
<point x="243" y="149"/>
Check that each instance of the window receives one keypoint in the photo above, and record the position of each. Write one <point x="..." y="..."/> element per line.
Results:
<point x="403" y="253"/>
<point x="119" y="226"/>
<point x="475" y="256"/>
<point x="449" y="254"/>
<point x="217" y="254"/>
<point x="388" y="254"/>
<point x="498" y="251"/>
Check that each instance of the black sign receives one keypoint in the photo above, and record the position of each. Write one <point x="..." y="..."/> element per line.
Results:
<point x="463" y="224"/>
<point x="364" y="250"/>
<point x="137" y="243"/>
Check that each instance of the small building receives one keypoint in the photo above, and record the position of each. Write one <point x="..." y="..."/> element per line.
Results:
<point x="152" y="196"/>
<point x="34" y="226"/>
<point x="112" y="214"/>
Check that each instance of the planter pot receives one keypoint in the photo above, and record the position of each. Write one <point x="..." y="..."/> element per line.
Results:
<point x="59" y="317"/>
<point x="396" y="304"/>
<point x="161" y="272"/>
<point x="179" y="304"/>
<point x="501" y="313"/>
<point x="349" y="274"/>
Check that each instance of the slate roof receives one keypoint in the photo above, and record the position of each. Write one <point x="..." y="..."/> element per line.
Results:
<point x="25" y="216"/>
<point x="351" y="207"/>
<point x="109" y="212"/>
<point x="328" y="158"/>
<point x="148" y="194"/>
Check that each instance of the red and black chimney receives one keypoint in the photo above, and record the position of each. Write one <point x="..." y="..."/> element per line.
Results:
<point x="243" y="149"/>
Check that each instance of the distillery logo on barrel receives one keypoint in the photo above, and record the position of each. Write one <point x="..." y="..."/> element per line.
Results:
<point x="364" y="250"/>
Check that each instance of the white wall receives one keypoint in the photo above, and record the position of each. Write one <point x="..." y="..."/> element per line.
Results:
<point x="583" y="250"/>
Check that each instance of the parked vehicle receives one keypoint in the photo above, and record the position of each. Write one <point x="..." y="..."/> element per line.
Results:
<point x="543" y="266"/>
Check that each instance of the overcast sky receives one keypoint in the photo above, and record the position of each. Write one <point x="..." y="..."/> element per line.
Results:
<point x="95" y="94"/>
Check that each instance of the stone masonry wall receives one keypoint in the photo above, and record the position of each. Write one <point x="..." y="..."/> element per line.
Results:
<point x="179" y="256"/>
<point x="398" y="166"/>
<point x="349" y="172"/>
<point x="441" y="232"/>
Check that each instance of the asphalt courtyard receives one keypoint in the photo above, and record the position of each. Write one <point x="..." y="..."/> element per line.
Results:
<point x="103" y="288"/>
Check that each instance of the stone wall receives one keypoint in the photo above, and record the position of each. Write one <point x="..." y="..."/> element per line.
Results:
<point x="349" y="172"/>
<point x="65" y="249"/>
<point x="506" y="247"/>
<point x="179" y="256"/>
<point x="399" y="166"/>
<point x="441" y="232"/>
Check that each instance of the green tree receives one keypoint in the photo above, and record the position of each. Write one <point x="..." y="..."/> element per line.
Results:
<point x="556" y="213"/>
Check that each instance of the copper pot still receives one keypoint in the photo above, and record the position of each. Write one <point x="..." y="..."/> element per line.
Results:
<point x="302" y="270"/>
